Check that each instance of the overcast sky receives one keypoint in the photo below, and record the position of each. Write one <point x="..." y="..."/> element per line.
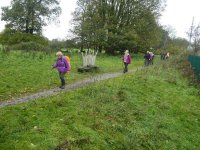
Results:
<point x="178" y="14"/>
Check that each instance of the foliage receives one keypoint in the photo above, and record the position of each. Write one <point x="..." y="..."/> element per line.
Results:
<point x="170" y="43"/>
<point x="194" y="36"/>
<point x="149" y="32"/>
<point x="1" y="47"/>
<point x="10" y="37"/>
<point x="117" y="24"/>
<point x="154" y="108"/>
<point x="177" y="45"/>
<point x="30" y="15"/>
<point x="55" y="44"/>
<point x="30" y="46"/>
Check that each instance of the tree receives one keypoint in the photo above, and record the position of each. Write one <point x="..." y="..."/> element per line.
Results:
<point x="11" y="37"/>
<point x="30" y="15"/>
<point x="177" y="45"/>
<point x="194" y="36"/>
<point x="117" y="24"/>
<point x="149" y="32"/>
<point x="167" y="35"/>
<point x="196" y="39"/>
<point x="169" y="42"/>
<point x="55" y="44"/>
<point x="88" y="26"/>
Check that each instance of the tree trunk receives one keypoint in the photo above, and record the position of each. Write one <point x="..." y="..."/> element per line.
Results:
<point x="27" y="24"/>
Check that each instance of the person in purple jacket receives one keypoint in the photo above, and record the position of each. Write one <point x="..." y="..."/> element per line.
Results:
<point x="126" y="60"/>
<point x="62" y="67"/>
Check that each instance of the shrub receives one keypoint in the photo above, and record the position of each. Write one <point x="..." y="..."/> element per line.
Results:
<point x="10" y="37"/>
<point x="30" y="46"/>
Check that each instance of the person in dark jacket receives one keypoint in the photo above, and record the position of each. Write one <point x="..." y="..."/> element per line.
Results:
<point x="62" y="66"/>
<point x="162" y="55"/>
<point x="147" y="58"/>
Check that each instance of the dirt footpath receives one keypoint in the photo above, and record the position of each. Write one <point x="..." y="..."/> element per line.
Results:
<point x="69" y="87"/>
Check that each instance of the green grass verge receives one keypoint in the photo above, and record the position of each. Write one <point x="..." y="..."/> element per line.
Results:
<point x="25" y="72"/>
<point x="154" y="108"/>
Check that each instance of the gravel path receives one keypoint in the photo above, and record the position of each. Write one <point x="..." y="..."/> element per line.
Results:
<point x="69" y="87"/>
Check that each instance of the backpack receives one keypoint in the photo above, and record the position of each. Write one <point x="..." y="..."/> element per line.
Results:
<point x="68" y="60"/>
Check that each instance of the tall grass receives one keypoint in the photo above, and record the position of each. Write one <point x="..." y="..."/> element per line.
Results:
<point x="154" y="108"/>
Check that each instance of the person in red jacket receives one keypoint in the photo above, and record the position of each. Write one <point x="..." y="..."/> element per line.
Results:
<point x="126" y="60"/>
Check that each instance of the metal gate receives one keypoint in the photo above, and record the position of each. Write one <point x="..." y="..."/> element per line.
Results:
<point x="195" y="62"/>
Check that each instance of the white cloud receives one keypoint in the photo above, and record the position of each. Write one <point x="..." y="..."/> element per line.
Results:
<point x="60" y="30"/>
<point x="179" y="14"/>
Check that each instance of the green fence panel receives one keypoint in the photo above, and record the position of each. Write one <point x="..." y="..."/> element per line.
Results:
<point x="195" y="62"/>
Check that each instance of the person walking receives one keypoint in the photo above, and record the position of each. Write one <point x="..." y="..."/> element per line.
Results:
<point x="62" y="66"/>
<point x="167" y="55"/>
<point x="126" y="60"/>
<point x="151" y="58"/>
<point x="147" y="58"/>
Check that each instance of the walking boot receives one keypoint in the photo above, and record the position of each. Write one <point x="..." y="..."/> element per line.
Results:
<point x="62" y="87"/>
<point x="62" y="84"/>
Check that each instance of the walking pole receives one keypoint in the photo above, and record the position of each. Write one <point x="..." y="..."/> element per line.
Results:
<point x="50" y="77"/>
<point x="122" y="63"/>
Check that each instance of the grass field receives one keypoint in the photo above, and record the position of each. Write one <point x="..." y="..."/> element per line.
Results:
<point x="154" y="108"/>
<point x="22" y="72"/>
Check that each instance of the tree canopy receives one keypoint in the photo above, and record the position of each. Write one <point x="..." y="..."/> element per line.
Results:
<point x="117" y="24"/>
<point x="30" y="15"/>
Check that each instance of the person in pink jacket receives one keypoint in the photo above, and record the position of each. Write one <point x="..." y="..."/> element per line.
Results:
<point x="62" y="66"/>
<point x="126" y="60"/>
